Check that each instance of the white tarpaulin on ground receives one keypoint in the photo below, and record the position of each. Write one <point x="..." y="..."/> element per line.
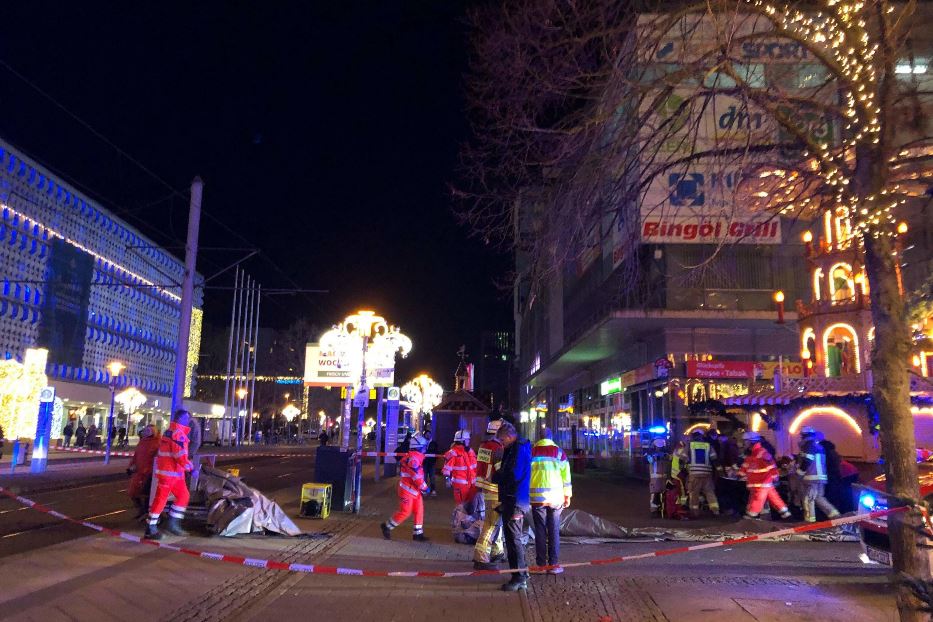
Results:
<point x="234" y="508"/>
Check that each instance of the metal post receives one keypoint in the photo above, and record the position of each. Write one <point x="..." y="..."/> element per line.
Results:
<point x="113" y="399"/>
<point x="379" y="408"/>
<point x="187" y="295"/>
<point x="360" y="415"/>
<point x="225" y="429"/>
<point x="345" y="419"/>
<point x="252" y="379"/>
<point x="242" y="352"/>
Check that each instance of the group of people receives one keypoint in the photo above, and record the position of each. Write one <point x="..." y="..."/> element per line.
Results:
<point x="506" y="480"/>
<point x="167" y="456"/>
<point x="712" y="467"/>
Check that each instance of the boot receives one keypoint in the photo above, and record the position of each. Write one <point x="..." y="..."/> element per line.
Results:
<point x="515" y="584"/>
<point x="485" y="565"/>
<point x="152" y="533"/>
<point x="420" y="537"/>
<point x="174" y="527"/>
<point x="386" y="532"/>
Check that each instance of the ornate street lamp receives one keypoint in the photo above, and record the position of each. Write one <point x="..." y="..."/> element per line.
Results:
<point x="424" y="393"/>
<point x="115" y="367"/>
<point x="130" y="399"/>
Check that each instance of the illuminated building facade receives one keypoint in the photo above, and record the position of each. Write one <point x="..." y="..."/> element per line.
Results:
<point x="86" y="286"/>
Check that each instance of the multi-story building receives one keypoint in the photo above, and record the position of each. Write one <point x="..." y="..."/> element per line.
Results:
<point x="83" y="285"/>
<point x="494" y="370"/>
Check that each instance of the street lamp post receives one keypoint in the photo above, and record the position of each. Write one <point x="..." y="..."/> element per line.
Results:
<point x="114" y="368"/>
<point x="424" y="393"/>
<point x="241" y="394"/>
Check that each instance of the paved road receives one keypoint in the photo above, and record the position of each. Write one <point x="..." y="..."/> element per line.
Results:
<point x="23" y="529"/>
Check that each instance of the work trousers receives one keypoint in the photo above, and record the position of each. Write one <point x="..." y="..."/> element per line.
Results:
<point x="816" y="498"/>
<point x="461" y="493"/>
<point x="758" y="496"/>
<point x="408" y="505"/>
<point x="547" y="535"/>
<point x="489" y="544"/>
<point x="512" y="525"/>
<point x="702" y="483"/>
<point x="166" y="486"/>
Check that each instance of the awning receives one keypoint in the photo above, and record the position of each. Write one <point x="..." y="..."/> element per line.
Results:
<point x="769" y="398"/>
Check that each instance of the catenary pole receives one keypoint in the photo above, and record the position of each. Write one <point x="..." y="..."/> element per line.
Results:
<point x="244" y="354"/>
<point x="225" y="429"/>
<point x="187" y="294"/>
<point x="255" y="352"/>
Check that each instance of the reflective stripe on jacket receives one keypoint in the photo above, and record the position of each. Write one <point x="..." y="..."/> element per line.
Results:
<point x="412" y="481"/>
<point x="550" y="474"/>
<point x="172" y="457"/>
<point x="759" y="468"/>
<point x="699" y="456"/>
<point x="812" y="462"/>
<point x="460" y="465"/>
<point x="487" y="463"/>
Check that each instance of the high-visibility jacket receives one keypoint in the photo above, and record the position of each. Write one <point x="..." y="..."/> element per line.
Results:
<point x="811" y="463"/>
<point x="488" y="462"/>
<point x="699" y="456"/>
<point x="460" y="465"/>
<point x="657" y="468"/>
<point x="172" y="458"/>
<point x="759" y="468"/>
<point x="412" y="483"/>
<point x="146" y="451"/>
<point x="550" y="475"/>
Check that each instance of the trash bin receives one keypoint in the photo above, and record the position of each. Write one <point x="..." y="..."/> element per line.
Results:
<point x="315" y="500"/>
<point x="334" y="466"/>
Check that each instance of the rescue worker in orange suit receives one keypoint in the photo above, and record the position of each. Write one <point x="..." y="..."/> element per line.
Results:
<point x="140" y="469"/>
<point x="490" y="547"/>
<point x="760" y="473"/>
<point x="170" y="467"/>
<point x="460" y="468"/>
<point x="411" y="487"/>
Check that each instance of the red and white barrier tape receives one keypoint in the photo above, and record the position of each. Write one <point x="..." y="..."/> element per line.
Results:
<point x="316" y="569"/>
<point x="129" y="454"/>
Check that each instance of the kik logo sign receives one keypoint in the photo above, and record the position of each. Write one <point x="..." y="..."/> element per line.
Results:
<point x="686" y="189"/>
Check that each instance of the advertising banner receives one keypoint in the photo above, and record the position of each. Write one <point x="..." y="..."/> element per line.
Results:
<point x="723" y="369"/>
<point x="63" y="319"/>
<point x="327" y="369"/>
<point x="700" y="230"/>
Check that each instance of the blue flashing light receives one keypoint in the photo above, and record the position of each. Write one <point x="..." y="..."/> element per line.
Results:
<point x="867" y="500"/>
<point x="657" y="429"/>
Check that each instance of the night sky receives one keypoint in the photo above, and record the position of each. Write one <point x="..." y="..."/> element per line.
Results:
<point x="326" y="134"/>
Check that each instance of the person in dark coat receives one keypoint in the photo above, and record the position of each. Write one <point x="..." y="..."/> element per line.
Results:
<point x="429" y="462"/>
<point x="80" y="435"/>
<point x="323" y="438"/>
<point x="68" y="432"/>
<point x="514" y="481"/>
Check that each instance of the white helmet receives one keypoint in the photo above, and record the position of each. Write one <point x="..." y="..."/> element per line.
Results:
<point x="418" y="442"/>
<point x="462" y="436"/>
<point x="493" y="426"/>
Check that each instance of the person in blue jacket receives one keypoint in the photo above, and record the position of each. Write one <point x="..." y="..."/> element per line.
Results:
<point x="514" y="480"/>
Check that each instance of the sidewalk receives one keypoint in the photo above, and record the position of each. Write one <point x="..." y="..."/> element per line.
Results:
<point x="99" y="577"/>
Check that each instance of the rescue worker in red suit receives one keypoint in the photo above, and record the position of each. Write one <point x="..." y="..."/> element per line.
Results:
<point x="170" y="467"/>
<point x="760" y="472"/>
<point x="411" y="487"/>
<point x="140" y="469"/>
<point x="460" y="468"/>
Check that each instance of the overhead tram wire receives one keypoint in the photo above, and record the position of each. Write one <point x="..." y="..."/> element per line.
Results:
<point x="147" y="170"/>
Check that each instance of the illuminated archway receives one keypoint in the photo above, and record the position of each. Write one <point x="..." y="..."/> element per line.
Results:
<point x="835" y="411"/>
<point x="817" y="276"/>
<point x="853" y="354"/>
<point x="695" y="427"/>
<point x="841" y="272"/>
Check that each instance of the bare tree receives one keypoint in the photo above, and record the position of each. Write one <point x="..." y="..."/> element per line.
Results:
<point x="585" y="112"/>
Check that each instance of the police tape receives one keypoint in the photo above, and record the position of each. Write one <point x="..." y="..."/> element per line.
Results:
<point x="270" y="564"/>
<point x="129" y="454"/>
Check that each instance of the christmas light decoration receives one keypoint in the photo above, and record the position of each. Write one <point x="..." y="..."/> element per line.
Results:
<point x="20" y="384"/>
<point x="423" y="393"/>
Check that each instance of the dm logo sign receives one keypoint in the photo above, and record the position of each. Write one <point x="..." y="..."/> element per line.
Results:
<point x="686" y="189"/>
